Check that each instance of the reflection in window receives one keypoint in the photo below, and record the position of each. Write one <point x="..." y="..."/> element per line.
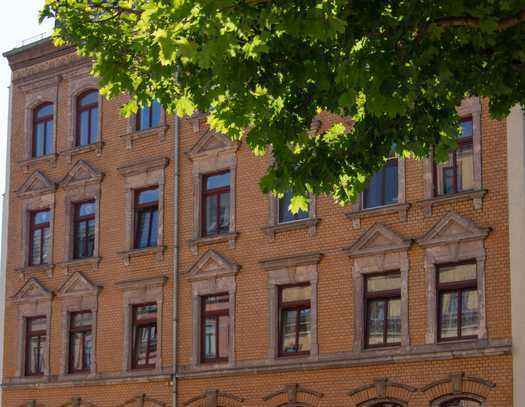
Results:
<point x="382" y="187"/>
<point x="295" y="320"/>
<point x="461" y="402"/>
<point x="215" y="329"/>
<point x="80" y="342"/>
<point x="146" y="217"/>
<point x="87" y="118"/>
<point x="144" y="336"/>
<point x="39" y="237"/>
<point x="148" y="117"/>
<point x="285" y="215"/>
<point x="43" y="130"/>
<point x="36" y="338"/>
<point x="216" y="204"/>
<point x="84" y="229"/>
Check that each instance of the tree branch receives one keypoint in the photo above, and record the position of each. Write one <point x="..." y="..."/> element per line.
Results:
<point x="467" y="21"/>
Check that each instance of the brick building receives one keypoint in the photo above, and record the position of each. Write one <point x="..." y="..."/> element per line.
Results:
<point x="145" y="267"/>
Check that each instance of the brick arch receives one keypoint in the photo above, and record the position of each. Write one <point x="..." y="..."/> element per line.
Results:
<point x="31" y="403"/>
<point x="451" y="397"/>
<point x="77" y="402"/>
<point x="457" y="385"/>
<point x="293" y="395"/>
<point x="142" y="400"/>
<point x="382" y="391"/>
<point x="215" y="398"/>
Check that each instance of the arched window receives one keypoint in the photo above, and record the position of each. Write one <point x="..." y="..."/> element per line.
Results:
<point x="43" y="130"/>
<point x="461" y="402"/>
<point x="87" y="118"/>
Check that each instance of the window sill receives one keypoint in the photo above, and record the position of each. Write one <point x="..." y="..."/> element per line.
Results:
<point x="476" y="197"/>
<point x="78" y="150"/>
<point x="159" y="131"/>
<point x="400" y="208"/>
<point x="88" y="262"/>
<point x="230" y="238"/>
<point x="34" y="161"/>
<point x="44" y="268"/>
<point x="157" y="251"/>
<point x="310" y="224"/>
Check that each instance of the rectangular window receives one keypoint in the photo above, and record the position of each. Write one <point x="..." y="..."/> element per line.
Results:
<point x="285" y="215"/>
<point x="39" y="227"/>
<point x="84" y="229"/>
<point x="382" y="188"/>
<point x="43" y="130"/>
<point x="144" y="336"/>
<point x="87" y="118"/>
<point x="383" y="310"/>
<point x="458" y="302"/>
<point x="146" y="217"/>
<point x="216" y="204"/>
<point x="148" y="117"/>
<point x="295" y="322"/>
<point x="215" y="328"/>
<point x="80" y="342"/>
<point x="36" y="337"/>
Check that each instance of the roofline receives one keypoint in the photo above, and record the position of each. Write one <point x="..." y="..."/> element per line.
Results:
<point x="25" y="47"/>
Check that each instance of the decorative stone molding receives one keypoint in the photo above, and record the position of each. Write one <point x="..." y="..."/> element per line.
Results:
<point x="401" y="207"/>
<point x="215" y="398"/>
<point x="293" y="395"/>
<point x="296" y="269"/>
<point x="81" y="150"/>
<point x="134" y="135"/>
<point x="379" y="250"/>
<point x="382" y="391"/>
<point x="81" y="175"/>
<point x="77" y="402"/>
<point x="475" y="196"/>
<point x="135" y="292"/>
<point x="212" y="274"/>
<point x="78" y="293"/>
<point x="213" y="152"/>
<point x="33" y="299"/>
<point x="31" y="403"/>
<point x="141" y="400"/>
<point x="37" y="184"/>
<point x="457" y="385"/>
<point x="136" y="176"/>
<point x="453" y="239"/>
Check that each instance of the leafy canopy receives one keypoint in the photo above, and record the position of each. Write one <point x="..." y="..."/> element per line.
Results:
<point x="265" y="68"/>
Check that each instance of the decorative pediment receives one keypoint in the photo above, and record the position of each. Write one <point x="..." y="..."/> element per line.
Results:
<point x="78" y="284"/>
<point x="142" y="400"/>
<point x="81" y="174"/>
<point x="294" y="394"/>
<point x="452" y="229"/>
<point x="36" y="184"/>
<point x="32" y="290"/>
<point x="215" y="398"/>
<point x="211" y="265"/>
<point x="378" y="239"/>
<point x="77" y="402"/>
<point x="211" y="143"/>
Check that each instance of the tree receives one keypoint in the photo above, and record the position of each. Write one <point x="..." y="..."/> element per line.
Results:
<point x="265" y="68"/>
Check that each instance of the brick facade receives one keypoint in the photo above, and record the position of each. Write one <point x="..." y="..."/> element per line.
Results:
<point x="332" y="251"/>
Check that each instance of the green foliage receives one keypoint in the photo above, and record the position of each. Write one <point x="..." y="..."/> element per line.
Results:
<point x="396" y="68"/>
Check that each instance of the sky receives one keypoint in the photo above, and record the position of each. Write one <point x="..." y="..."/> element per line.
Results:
<point x="18" y="23"/>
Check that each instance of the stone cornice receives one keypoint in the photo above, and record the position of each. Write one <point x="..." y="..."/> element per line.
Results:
<point x="304" y="259"/>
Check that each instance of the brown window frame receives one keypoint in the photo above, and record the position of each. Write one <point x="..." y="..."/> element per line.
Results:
<point x="459" y="287"/>
<point x="138" y="117"/>
<point x="450" y="403"/>
<point x="211" y="192"/>
<point x="88" y="108"/>
<point x="77" y="220"/>
<point x="391" y="162"/>
<point x="41" y="351"/>
<point x="216" y="315"/>
<point x="298" y="306"/>
<point x="84" y="330"/>
<point x="139" y="209"/>
<point x="385" y="296"/>
<point x="147" y="323"/>
<point x="32" y="229"/>
<point x="36" y="121"/>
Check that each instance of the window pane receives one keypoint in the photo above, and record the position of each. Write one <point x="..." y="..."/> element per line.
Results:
<point x="289" y="330"/>
<point x="225" y="212"/>
<point x="36" y="354"/>
<point x="88" y="346"/>
<point x="80" y="240"/>
<point x="89" y="98"/>
<point x="394" y="322"/>
<point x="145" y="312"/>
<point x="373" y="193"/>
<point x="45" y="246"/>
<point x="304" y="330"/>
<point x="81" y="319"/>
<point x="467" y="129"/>
<point x="77" y="349"/>
<point x="391" y="182"/>
<point x="141" y="346"/>
<point x="457" y="272"/>
<point x="39" y="140"/>
<point x="152" y="349"/>
<point x="154" y="228"/>
<point x="49" y="137"/>
<point x="285" y="215"/>
<point x="448" y="180"/>
<point x="144" y="118"/>
<point x="37" y="324"/>
<point x="211" y="214"/>
<point x="210" y="339"/>
<point x="376" y="322"/>
<point x="465" y="168"/>
<point x="40" y="217"/>
<point x="86" y="209"/>
<point x="144" y="222"/>
<point x="218" y="181"/>
<point x="224" y="322"/>
<point x="469" y="313"/>
<point x="449" y="314"/>
<point x="36" y="247"/>
<point x="91" y="238"/>
<point x="296" y="293"/>
<point x="461" y="403"/>
<point x="84" y="128"/>
<point x="216" y="303"/>
<point x="94" y="126"/>
<point x="383" y="283"/>
<point x="148" y="196"/>
<point x="155" y="114"/>
<point x="44" y="111"/>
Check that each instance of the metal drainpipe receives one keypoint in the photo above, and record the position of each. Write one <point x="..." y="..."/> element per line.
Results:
<point x="174" y="321"/>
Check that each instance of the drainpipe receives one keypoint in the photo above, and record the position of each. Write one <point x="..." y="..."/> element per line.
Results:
<point x="176" y="187"/>
<point x="5" y="218"/>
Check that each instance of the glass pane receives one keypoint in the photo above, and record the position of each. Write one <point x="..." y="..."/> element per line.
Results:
<point x="457" y="272"/>
<point x="224" y="322"/>
<point x="45" y="246"/>
<point x="36" y="354"/>
<point x="154" y="228"/>
<point x="152" y="349"/>
<point x="148" y="196"/>
<point x="211" y="214"/>
<point x="467" y="129"/>
<point x="210" y="339"/>
<point x="89" y="98"/>
<point x="449" y="314"/>
<point x="94" y="125"/>
<point x="391" y="182"/>
<point x="141" y="346"/>
<point x="304" y="330"/>
<point x="37" y="324"/>
<point x="465" y="168"/>
<point x="144" y="221"/>
<point x="81" y="319"/>
<point x="91" y="238"/>
<point x="225" y="212"/>
<point x="88" y="346"/>
<point x="83" y="126"/>
<point x="36" y="247"/>
<point x="376" y="322"/>
<point x="144" y="118"/>
<point x="373" y="193"/>
<point x="80" y="240"/>
<point x="285" y="215"/>
<point x="394" y="322"/>
<point x="448" y="180"/>
<point x="148" y="311"/>
<point x="44" y="111"/>
<point x="296" y="293"/>
<point x="49" y="137"/>
<point x="383" y="283"/>
<point x="289" y="331"/>
<point x="461" y="403"/>
<point x="87" y="208"/>
<point x="39" y="140"/>
<point x="77" y="350"/>
<point x="40" y="217"/>
<point x="469" y="313"/>
<point x="216" y="303"/>
<point x="218" y="181"/>
<point x="155" y="114"/>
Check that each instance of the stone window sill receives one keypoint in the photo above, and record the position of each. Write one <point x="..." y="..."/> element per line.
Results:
<point x="46" y="159"/>
<point x="44" y="268"/>
<point x="230" y="238"/>
<point x="157" y="251"/>
<point x="310" y="224"/>
<point x="27" y="380"/>
<point x="78" y="150"/>
<point x="89" y="262"/>
<point x="159" y="131"/>
<point x="76" y="377"/>
<point x="476" y="197"/>
<point x="356" y="216"/>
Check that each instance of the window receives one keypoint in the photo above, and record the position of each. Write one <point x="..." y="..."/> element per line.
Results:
<point x="39" y="237"/>
<point x="43" y="130"/>
<point x="146" y="217"/>
<point x="461" y="403"/>
<point x="458" y="302"/>
<point x="285" y="215"/>
<point x="386" y="404"/>
<point x="144" y="336"/>
<point x="383" y="310"/>
<point x="382" y="188"/>
<point x="36" y="336"/>
<point x="80" y="342"/>
<point x="215" y="328"/>
<point x="87" y="118"/>
<point x="84" y="229"/>
<point x="457" y="174"/>
<point x="294" y="320"/>
<point x="148" y="117"/>
<point x="216" y="204"/>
